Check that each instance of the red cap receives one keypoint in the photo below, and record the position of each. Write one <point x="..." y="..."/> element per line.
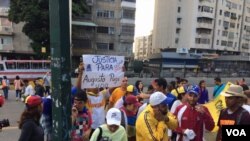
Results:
<point x="33" y="100"/>
<point x="131" y="99"/>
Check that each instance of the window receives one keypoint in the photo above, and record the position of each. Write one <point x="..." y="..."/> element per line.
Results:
<point x="128" y="14"/>
<point x="205" y="9"/>
<point x="128" y="30"/>
<point x="107" y="30"/>
<point x="233" y="16"/>
<point x="227" y="14"/>
<point x="102" y="46"/>
<point x="179" y="20"/>
<point x="232" y="25"/>
<point x="218" y="33"/>
<point x="231" y="35"/>
<point x="224" y="33"/>
<point x="226" y="24"/>
<point x="223" y="43"/>
<point x="220" y="12"/>
<point x="102" y="29"/>
<point x="178" y="30"/>
<point x="202" y="41"/>
<point x="179" y="10"/>
<point x="217" y="42"/>
<point x="176" y="40"/>
<point x="82" y="43"/>
<point x="235" y="44"/>
<point x="105" y="14"/>
<point x="111" y="46"/>
<point x="248" y="10"/>
<point x="247" y="19"/>
<point x="219" y="22"/>
<point x="230" y="44"/>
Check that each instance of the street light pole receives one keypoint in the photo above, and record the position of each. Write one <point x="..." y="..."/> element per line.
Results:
<point x="60" y="65"/>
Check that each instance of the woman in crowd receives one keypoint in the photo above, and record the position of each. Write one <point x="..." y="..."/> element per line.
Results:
<point x="29" y="121"/>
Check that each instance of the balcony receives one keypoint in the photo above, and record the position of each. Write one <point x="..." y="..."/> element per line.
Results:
<point x="205" y="14"/>
<point x="203" y="35"/>
<point x="6" y="48"/>
<point x="6" y="30"/>
<point x="205" y="25"/>
<point x="126" y="38"/>
<point x="127" y="21"/>
<point x="4" y="11"/>
<point x="207" y="2"/>
<point x="128" y="3"/>
<point x="89" y="2"/>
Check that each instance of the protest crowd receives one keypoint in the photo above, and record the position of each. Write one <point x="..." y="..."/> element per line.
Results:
<point x="164" y="111"/>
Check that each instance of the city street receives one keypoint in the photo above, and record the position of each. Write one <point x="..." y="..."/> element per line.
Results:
<point x="12" y="110"/>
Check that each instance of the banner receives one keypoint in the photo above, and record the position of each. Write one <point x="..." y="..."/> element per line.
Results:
<point x="216" y="105"/>
<point x="102" y="71"/>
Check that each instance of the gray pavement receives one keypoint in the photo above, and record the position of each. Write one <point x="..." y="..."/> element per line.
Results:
<point x="12" y="110"/>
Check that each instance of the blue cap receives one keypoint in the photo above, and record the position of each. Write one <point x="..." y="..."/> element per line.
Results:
<point x="194" y="89"/>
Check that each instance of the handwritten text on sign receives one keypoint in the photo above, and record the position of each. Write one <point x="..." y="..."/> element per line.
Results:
<point x="97" y="80"/>
<point x="102" y="71"/>
<point x="103" y="63"/>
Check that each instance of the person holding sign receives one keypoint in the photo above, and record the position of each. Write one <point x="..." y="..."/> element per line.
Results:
<point x="96" y="101"/>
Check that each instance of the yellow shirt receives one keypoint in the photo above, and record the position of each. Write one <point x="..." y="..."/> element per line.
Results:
<point x="150" y="129"/>
<point x="116" y="95"/>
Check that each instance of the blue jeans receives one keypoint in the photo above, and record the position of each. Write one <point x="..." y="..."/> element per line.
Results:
<point x="5" y="92"/>
<point x="18" y="93"/>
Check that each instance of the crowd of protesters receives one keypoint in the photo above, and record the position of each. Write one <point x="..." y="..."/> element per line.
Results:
<point x="163" y="112"/>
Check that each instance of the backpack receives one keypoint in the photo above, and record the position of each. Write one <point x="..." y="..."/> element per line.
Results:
<point x="100" y="134"/>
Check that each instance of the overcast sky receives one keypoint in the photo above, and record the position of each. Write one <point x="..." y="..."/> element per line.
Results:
<point x="144" y="17"/>
<point x="4" y="3"/>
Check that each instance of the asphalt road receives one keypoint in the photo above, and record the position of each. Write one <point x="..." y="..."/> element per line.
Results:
<point x="12" y="110"/>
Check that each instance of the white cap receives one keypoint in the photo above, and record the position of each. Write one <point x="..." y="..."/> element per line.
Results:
<point x="157" y="98"/>
<point x="113" y="116"/>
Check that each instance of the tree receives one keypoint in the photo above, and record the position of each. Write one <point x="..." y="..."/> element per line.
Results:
<point x="138" y="66"/>
<point x="35" y="15"/>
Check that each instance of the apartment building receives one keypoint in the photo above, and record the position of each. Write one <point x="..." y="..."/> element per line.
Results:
<point x="108" y="29"/>
<point x="205" y="35"/>
<point x="14" y="44"/>
<point x="143" y="47"/>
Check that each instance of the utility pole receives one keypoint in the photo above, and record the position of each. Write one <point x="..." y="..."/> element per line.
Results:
<point x="60" y="65"/>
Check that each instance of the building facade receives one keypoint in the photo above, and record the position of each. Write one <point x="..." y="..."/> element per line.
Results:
<point x="143" y="47"/>
<point x="107" y="30"/>
<point x="211" y="36"/>
<point x="14" y="44"/>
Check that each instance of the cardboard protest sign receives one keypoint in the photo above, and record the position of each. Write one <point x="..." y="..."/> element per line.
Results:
<point x="102" y="71"/>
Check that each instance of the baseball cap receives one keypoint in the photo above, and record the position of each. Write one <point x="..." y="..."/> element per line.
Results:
<point x="234" y="90"/>
<point x="131" y="99"/>
<point x="113" y="116"/>
<point x="158" y="98"/>
<point x="132" y="89"/>
<point x="193" y="89"/>
<point x="33" y="101"/>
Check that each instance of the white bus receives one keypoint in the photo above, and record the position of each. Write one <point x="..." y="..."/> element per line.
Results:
<point x="25" y="69"/>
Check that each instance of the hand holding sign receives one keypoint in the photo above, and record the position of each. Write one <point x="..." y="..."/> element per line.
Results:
<point x="102" y="71"/>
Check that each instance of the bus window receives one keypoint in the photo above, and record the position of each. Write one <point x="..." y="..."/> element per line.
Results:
<point x="37" y="65"/>
<point x="10" y="65"/>
<point x="1" y="67"/>
<point x="23" y="65"/>
<point x="47" y="65"/>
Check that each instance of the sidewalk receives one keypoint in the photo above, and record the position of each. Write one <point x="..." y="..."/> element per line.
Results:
<point x="12" y="110"/>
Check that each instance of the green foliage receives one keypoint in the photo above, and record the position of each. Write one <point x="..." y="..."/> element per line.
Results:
<point x="35" y="15"/>
<point x="138" y="66"/>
